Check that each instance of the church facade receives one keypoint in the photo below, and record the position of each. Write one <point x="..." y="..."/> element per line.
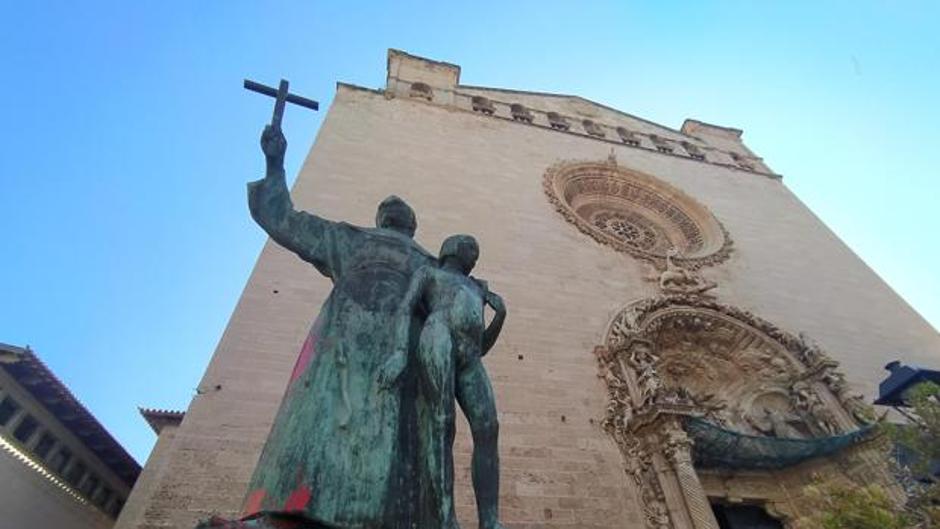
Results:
<point x="687" y="344"/>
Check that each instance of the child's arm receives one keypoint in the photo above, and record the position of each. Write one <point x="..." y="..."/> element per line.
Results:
<point x="492" y="331"/>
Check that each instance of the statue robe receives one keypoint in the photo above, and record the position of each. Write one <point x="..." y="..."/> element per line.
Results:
<point x="341" y="451"/>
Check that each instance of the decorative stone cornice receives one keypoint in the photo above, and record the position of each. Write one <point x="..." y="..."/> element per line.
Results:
<point x="158" y="419"/>
<point x="700" y="152"/>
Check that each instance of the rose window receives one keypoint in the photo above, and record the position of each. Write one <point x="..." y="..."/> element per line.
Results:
<point x="636" y="213"/>
<point x="627" y="230"/>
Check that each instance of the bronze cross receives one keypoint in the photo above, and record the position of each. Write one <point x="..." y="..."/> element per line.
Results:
<point x="281" y="96"/>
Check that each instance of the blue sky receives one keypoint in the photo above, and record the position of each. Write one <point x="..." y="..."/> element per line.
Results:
<point x="127" y="141"/>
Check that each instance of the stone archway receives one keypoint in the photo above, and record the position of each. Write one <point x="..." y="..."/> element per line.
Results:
<point x="711" y="403"/>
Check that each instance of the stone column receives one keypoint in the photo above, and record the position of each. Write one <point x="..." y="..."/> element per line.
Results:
<point x="678" y="451"/>
<point x="14" y="421"/>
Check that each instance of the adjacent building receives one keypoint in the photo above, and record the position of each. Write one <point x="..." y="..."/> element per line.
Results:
<point x="59" y="467"/>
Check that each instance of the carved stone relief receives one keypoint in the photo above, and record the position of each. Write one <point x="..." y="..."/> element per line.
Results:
<point x="678" y="280"/>
<point x="639" y="215"/>
<point x="674" y="357"/>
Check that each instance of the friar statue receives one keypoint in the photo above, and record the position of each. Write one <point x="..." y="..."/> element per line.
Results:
<point x="341" y="451"/>
<point x="362" y="441"/>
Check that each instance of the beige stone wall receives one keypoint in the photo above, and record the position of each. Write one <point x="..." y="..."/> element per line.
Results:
<point x="465" y="172"/>
<point x="137" y="508"/>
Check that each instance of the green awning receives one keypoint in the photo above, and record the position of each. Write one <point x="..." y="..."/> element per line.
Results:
<point x="716" y="447"/>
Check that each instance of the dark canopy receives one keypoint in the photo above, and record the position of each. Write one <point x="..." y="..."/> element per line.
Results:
<point x="716" y="447"/>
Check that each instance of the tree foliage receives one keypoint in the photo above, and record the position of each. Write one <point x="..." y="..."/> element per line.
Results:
<point x="840" y="506"/>
<point x="920" y="440"/>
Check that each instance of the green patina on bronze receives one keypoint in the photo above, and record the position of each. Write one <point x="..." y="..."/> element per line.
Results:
<point x="363" y="437"/>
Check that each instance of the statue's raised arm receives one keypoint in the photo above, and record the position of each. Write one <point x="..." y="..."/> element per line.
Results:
<point x="305" y="234"/>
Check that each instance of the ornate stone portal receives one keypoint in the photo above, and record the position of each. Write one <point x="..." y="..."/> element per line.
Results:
<point x="708" y="403"/>
<point x="711" y="403"/>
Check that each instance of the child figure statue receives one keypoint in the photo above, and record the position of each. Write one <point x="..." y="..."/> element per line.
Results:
<point x="451" y="344"/>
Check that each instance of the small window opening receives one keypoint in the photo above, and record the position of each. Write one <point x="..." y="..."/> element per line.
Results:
<point x="75" y="473"/>
<point x="558" y="122"/>
<point x="101" y="499"/>
<point x="422" y="90"/>
<point x="116" y="507"/>
<point x="44" y="446"/>
<point x="628" y="137"/>
<point x="60" y="460"/>
<point x="520" y="113"/>
<point x="593" y="128"/>
<point x="661" y="144"/>
<point x="693" y="150"/>
<point x="25" y="429"/>
<point x="741" y="161"/>
<point x="89" y="485"/>
<point x="8" y="409"/>
<point x="482" y="105"/>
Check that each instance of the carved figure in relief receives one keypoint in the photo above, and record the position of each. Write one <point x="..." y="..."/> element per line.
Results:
<point x="641" y="353"/>
<point x="678" y="280"/>
<point x="452" y="342"/>
<point x="657" y="516"/>
<point x="834" y="380"/>
<point x="650" y="384"/>
<point x="861" y="412"/>
<point x="676" y="444"/>
<point x="634" y="468"/>
<point x="619" y="409"/>
<point x="773" y="423"/>
<point x="812" y="408"/>
<point x="810" y="353"/>
<point x="643" y="360"/>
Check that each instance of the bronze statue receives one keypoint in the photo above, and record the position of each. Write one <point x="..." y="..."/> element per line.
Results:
<point x="451" y="345"/>
<point x="360" y="441"/>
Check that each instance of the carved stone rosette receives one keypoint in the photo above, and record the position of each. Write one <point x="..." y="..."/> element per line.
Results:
<point x="636" y="213"/>
<point x="675" y="357"/>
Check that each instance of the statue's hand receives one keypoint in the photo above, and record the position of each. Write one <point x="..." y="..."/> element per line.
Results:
<point x="274" y="145"/>
<point x="392" y="369"/>
<point x="493" y="300"/>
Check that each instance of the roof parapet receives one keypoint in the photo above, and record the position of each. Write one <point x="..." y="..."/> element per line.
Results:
<point x="412" y="76"/>
<point x="694" y="127"/>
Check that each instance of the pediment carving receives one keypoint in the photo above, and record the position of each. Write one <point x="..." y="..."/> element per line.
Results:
<point x="730" y="366"/>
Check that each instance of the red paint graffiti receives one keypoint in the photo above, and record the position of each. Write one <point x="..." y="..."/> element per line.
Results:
<point x="253" y="503"/>
<point x="306" y="355"/>
<point x="298" y="499"/>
